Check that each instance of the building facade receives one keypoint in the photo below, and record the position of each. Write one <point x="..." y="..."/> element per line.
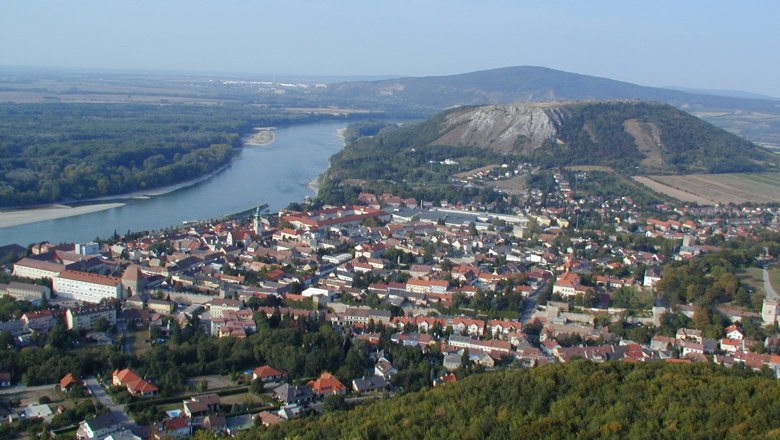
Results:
<point x="86" y="317"/>
<point x="87" y="287"/>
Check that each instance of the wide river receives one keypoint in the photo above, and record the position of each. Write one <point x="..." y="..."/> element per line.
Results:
<point x="275" y="174"/>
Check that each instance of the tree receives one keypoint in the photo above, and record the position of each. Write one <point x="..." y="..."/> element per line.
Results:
<point x="102" y="324"/>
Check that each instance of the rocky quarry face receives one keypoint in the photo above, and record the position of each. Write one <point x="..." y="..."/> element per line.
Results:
<point x="503" y="128"/>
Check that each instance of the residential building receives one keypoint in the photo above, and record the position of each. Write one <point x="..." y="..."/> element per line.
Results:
<point x="85" y="317"/>
<point x="369" y="384"/>
<point x="268" y="374"/>
<point x="220" y="305"/>
<point x="97" y="428"/>
<point x="134" y="383"/>
<point x="288" y="394"/>
<point x="327" y="384"/>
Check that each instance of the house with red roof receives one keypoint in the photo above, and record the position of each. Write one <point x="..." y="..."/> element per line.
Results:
<point x="135" y="385"/>
<point x="327" y="384"/>
<point x="69" y="381"/>
<point x="266" y="373"/>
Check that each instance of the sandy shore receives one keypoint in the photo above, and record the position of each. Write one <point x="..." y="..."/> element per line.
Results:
<point x="262" y="137"/>
<point x="25" y="216"/>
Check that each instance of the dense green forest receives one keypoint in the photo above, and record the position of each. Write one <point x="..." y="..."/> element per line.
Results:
<point x="575" y="400"/>
<point x="58" y="152"/>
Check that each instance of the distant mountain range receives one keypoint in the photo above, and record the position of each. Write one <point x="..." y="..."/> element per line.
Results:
<point x="756" y="119"/>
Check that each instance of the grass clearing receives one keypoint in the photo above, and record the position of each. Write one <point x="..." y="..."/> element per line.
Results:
<point x="710" y="189"/>
<point x="515" y="185"/>
<point x="774" y="277"/>
<point x="138" y="342"/>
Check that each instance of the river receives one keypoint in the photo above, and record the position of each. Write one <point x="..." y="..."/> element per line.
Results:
<point x="275" y="174"/>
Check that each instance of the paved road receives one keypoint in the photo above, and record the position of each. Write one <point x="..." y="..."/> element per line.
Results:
<point x="100" y="394"/>
<point x="770" y="291"/>
<point x="529" y="306"/>
<point x="22" y="388"/>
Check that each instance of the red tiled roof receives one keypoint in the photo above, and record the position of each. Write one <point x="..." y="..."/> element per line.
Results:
<point x="90" y="278"/>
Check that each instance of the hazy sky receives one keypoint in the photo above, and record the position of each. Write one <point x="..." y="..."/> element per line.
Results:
<point x="705" y="44"/>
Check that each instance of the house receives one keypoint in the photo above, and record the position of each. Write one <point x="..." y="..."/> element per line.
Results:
<point x="327" y="384"/>
<point x="288" y="394"/>
<point x="690" y="334"/>
<point x="369" y="384"/>
<point x="268" y="374"/>
<point x="215" y="423"/>
<point x="135" y="385"/>
<point x="385" y="369"/>
<point x="5" y="379"/>
<point x="97" y="427"/>
<point x="447" y="378"/>
<point x="570" y="284"/>
<point x="452" y="361"/>
<point x="201" y="405"/>
<point x="176" y="427"/>
<point x="734" y="332"/>
<point x="69" y="381"/>
<point x="268" y="418"/>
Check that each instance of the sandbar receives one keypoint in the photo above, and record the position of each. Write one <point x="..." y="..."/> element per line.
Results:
<point x="24" y="216"/>
<point x="264" y="136"/>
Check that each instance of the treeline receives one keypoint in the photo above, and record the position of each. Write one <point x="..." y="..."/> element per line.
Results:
<point x="578" y="399"/>
<point x="57" y="152"/>
<point x="302" y="348"/>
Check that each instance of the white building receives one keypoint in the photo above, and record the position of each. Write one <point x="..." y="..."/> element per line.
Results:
<point x="35" y="269"/>
<point x="219" y="306"/>
<point x="769" y="311"/>
<point x="86" y="317"/>
<point x="26" y="292"/>
<point x="87" y="287"/>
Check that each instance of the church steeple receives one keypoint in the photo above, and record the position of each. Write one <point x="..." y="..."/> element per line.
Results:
<point x="257" y="223"/>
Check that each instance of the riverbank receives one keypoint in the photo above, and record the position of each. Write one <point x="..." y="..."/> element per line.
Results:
<point x="34" y="215"/>
<point x="262" y="137"/>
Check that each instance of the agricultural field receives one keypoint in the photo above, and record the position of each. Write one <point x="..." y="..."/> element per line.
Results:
<point x="712" y="189"/>
<point x="515" y="185"/>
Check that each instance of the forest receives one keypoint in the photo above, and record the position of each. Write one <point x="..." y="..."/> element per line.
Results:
<point x="56" y="152"/>
<point x="574" y="400"/>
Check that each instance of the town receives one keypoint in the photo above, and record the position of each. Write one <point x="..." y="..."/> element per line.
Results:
<point x="236" y="323"/>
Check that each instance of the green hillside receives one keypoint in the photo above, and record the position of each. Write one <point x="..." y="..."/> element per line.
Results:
<point x="632" y="137"/>
<point x="576" y="400"/>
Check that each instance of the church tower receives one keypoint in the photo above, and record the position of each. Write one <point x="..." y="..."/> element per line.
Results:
<point x="258" y="224"/>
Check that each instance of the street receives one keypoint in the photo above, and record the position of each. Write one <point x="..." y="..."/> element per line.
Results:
<point x="529" y="307"/>
<point x="118" y="411"/>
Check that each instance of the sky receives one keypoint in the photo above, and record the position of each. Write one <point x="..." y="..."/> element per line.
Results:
<point x="701" y="44"/>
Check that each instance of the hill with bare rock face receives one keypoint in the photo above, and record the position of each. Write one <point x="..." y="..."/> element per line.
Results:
<point x="630" y="135"/>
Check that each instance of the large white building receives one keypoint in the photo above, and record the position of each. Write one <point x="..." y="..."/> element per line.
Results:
<point x="87" y="287"/>
<point x="31" y="268"/>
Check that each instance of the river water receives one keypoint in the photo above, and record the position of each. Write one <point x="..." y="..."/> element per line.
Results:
<point x="275" y="174"/>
